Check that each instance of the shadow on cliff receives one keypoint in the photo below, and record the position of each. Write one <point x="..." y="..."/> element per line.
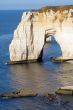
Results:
<point x="51" y="49"/>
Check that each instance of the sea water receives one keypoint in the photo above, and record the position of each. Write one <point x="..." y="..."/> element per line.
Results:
<point x="44" y="77"/>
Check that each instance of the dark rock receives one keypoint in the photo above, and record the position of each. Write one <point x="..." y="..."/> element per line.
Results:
<point x="51" y="97"/>
<point x="21" y="62"/>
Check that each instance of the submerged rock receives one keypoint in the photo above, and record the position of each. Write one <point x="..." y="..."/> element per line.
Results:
<point x="51" y="97"/>
<point x="35" y="28"/>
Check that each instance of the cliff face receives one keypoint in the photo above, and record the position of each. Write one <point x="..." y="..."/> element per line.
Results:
<point x="28" y="40"/>
<point x="36" y="26"/>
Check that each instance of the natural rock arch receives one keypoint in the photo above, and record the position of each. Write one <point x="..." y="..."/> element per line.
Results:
<point x="29" y="37"/>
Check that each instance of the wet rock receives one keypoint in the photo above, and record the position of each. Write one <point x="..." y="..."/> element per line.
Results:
<point x="60" y="60"/>
<point x="67" y="90"/>
<point x="51" y="97"/>
<point x="19" y="93"/>
<point x="21" y="62"/>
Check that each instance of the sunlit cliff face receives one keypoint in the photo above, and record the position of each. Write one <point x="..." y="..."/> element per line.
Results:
<point x="64" y="33"/>
<point x="29" y="37"/>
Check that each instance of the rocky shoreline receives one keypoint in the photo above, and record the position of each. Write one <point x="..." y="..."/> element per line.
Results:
<point x="68" y="90"/>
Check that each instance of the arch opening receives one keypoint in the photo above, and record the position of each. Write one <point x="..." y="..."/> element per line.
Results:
<point x="51" y="47"/>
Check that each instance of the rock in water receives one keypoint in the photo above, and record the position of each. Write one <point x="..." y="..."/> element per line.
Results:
<point x="19" y="93"/>
<point x="51" y="97"/>
<point x="30" y="35"/>
<point x="67" y="90"/>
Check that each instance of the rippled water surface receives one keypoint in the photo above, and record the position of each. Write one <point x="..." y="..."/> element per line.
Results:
<point x="41" y="77"/>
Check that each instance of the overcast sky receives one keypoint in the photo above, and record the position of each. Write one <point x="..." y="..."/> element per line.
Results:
<point x="31" y="4"/>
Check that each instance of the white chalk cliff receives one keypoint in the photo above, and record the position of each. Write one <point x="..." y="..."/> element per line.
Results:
<point x="36" y="26"/>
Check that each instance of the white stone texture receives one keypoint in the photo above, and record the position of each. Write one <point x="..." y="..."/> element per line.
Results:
<point x="29" y="37"/>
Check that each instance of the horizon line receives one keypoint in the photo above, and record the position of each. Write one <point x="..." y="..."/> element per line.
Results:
<point x="35" y="8"/>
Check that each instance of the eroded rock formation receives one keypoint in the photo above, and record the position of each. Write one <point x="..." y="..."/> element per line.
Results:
<point x="36" y="26"/>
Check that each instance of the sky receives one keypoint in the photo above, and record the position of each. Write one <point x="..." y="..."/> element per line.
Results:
<point x="31" y="4"/>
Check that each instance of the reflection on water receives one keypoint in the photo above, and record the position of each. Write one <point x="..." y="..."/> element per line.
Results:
<point x="34" y="76"/>
<point x="41" y="77"/>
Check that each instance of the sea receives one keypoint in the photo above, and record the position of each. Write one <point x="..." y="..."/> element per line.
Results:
<point x="44" y="77"/>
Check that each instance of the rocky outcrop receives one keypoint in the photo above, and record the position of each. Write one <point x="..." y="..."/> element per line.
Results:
<point x="28" y="39"/>
<point x="67" y="90"/>
<point x="19" y="93"/>
<point x="36" y="26"/>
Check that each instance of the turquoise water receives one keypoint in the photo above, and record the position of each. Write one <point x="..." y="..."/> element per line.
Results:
<point x="41" y="77"/>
